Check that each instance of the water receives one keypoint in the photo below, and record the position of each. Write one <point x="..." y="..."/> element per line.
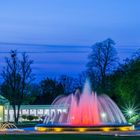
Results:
<point x="29" y="129"/>
<point x="86" y="109"/>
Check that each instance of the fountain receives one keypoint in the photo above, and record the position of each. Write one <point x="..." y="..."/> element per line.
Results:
<point x="7" y="126"/>
<point x="87" y="111"/>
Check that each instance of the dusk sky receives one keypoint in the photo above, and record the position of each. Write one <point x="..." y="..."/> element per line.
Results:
<point x="62" y="31"/>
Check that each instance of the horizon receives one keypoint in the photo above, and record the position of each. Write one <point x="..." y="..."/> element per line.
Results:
<point x="48" y="58"/>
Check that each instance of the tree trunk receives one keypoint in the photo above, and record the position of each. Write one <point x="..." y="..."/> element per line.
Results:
<point x="16" y="113"/>
<point x="14" y="109"/>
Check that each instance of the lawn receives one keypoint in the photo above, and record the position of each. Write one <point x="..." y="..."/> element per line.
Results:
<point x="64" y="137"/>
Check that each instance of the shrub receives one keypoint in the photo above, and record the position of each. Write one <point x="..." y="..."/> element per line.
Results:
<point x="30" y="117"/>
<point x="24" y="117"/>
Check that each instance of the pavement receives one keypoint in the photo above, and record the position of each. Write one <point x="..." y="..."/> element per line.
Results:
<point x="110" y="133"/>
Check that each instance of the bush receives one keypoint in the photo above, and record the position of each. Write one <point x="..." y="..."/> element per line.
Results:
<point x="24" y="117"/>
<point x="36" y="117"/>
<point x="29" y="117"/>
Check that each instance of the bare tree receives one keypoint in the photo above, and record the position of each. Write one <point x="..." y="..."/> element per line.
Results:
<point x="17" y="77"/>
<point x="102" y="60"/>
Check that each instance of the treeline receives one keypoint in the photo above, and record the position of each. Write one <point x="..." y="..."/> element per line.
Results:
<point x="124" y="82"/>
<point x="120" y="81"/>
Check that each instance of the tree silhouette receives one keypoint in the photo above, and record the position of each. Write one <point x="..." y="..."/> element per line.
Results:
<point x="102" y="60"/>
<point x="17" y="77"/>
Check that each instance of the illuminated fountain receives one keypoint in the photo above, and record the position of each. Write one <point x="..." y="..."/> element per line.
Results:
<point x="86" y="112"/>
<point x="7" y="126"/>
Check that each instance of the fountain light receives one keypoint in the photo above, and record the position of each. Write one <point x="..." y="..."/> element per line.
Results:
<point x="106" y="129"/>
<point x="58" y="129"/>
<point x="82" y="129"/>
<point x="103" y="115"/>
<point x="6" y="126"/>
<point x="130" y="110"/>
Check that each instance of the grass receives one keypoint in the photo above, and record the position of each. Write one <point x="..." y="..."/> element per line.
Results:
<point x="64" y="137"/>
<point x="26" y="124"/>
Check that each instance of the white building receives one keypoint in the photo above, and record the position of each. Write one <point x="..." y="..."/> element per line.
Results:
<point x="7" y="112"/>
<point x="35" y="110"/>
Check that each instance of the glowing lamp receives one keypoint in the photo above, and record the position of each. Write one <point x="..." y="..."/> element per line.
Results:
<point x="82" y="129"/>
<point x="58" y="129"/>
<point x="106" y="129"/>
<point x="42" y="129"/>
<point x="103" y="115"/>
<point x="130" y="112"/>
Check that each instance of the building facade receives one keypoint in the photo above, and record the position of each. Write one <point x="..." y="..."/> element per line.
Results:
<point x="7" y="112"/>
<point x="3" y="102"/>
<point x="34" y="110"/>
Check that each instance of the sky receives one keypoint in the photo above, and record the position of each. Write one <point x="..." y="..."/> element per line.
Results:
<point x="62" y="31"/>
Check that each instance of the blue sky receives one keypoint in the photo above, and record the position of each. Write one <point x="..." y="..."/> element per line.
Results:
<point x="72" y="26"/>
<point x="70" y="22"/>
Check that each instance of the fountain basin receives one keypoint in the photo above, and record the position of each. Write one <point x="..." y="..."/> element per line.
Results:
<point x="80" y="128"/>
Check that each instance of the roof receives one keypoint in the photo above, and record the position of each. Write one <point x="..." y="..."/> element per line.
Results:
<point x="3" y="100"/>
<point x="42" y="106"/>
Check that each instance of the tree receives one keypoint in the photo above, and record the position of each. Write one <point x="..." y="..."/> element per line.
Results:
<point x="50" y="89"/>
<point x="102" y="61"/>
<point x="128" y="86"/>
<point x="17" y="77"/>
<point x="34" y="92"/>
<point x="125" y="81"/>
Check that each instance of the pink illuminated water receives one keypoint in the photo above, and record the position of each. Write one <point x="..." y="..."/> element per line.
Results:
<point x="87" y="108"/>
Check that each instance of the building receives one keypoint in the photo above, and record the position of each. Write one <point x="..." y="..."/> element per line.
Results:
<point x="34" y="110"/>
<point x="3" y="102"/>
<point x="7" y="112"/>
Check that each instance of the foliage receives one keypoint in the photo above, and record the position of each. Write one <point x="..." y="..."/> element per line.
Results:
<point x="135" y="119"/>
<point x="24" y="117"/>
<point x="33" y="93"/>
<point x="50" y="89"/>
<point x="125" y="81"/>
<point x="29" y="117"/>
